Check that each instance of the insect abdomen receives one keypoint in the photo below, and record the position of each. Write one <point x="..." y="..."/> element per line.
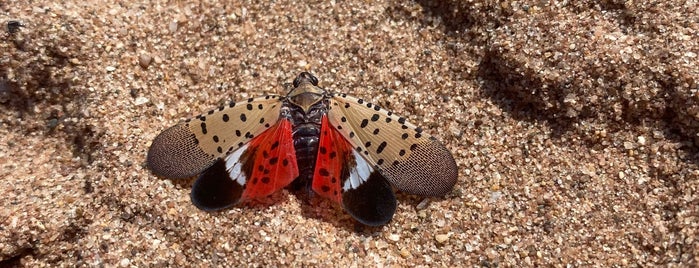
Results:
<point x="306" y="138"/>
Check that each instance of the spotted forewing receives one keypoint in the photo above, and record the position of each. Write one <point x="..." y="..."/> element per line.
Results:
<point x="192" y="146"/>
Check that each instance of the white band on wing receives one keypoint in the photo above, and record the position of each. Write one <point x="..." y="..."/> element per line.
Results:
<point x="359" y="174"/>
<point x="234" y="166"/>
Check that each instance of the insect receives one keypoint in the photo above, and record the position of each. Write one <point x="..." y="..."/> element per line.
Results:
<point x="343" y="148"/>
<point x="13" y="26"/>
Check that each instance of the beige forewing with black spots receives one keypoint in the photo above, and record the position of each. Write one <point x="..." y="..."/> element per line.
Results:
<point x="189" y="147"/>
<point x="223" y="130"/>
<point x="411" y="160"/>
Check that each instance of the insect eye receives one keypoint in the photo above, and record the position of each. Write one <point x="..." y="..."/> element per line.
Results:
<point x="305" y="76"/>
<point x="314" y="80"/>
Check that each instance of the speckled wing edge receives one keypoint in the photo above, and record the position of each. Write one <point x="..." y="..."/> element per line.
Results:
<point x="411" y="161"/>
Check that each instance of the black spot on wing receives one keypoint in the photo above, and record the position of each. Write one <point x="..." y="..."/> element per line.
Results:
<point x="381" y="147"/>
<point x="364" y="123"/>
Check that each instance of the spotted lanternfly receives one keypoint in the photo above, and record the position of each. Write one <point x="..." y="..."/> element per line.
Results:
<point x="343" y="148"/>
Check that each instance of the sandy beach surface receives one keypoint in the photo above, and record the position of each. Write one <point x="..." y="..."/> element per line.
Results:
<point x="573" y="123"/>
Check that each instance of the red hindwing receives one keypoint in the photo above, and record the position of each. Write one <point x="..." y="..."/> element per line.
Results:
<point x="332" y="162"/>
<point x="269" y="162"/>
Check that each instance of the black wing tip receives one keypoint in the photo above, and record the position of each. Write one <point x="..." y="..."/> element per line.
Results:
<point x="373" y="203"/>
<point x="214" y="190"/>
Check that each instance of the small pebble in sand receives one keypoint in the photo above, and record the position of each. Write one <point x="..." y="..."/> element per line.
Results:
<point x="144" y="60"/>
<point x="441" y="238"/>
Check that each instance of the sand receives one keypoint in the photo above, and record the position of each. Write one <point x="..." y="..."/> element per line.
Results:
<point x="574" y="126"/>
